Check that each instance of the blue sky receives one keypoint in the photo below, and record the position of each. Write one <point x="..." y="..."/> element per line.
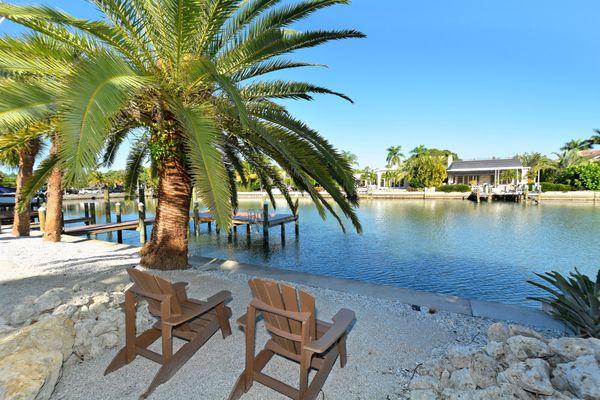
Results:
<point x="481" y="78"/>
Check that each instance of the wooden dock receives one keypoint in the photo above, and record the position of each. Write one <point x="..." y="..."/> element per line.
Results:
<point x="105" y="228"/>
<point x="513" y="197"/>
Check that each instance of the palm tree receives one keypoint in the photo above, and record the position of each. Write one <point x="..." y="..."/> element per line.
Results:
<point x="36" y="62"/>
<point x="394" y="156"/>
<point x="537" y="163"/>
<point x="569" y="158"/>
<point x="19" y="149"/>
<point x="187" y="73"/>
<point x="577" y="144"/>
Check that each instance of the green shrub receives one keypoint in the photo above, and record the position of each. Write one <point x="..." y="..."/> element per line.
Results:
<point x="584" y="176"/>
<point x="555" y="187"/>
<point x="575" y="301"/>
<point x="454" y="188"/>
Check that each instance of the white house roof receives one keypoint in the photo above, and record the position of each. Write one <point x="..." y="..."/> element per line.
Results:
<point x="486" y="165"/>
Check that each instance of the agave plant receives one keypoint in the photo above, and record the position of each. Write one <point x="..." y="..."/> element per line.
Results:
<point x="190" y="75"/>
<point x="575" y="301"/>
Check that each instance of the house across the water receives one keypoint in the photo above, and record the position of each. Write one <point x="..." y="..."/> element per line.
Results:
<point x="494" y="172"/>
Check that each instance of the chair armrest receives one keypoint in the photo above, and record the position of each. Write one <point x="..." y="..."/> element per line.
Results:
<point x="179" y="288"/>
<point x="213" y="300"/>
<point x="241" y="321"/>
<point x="205" y="306"/>
<point x="341" y="323"/>
<point x="153" y="296"/>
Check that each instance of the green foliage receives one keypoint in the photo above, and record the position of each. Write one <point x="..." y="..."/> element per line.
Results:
<point x="8" y="179"/>
<point x="426" y="170"/>
<point x="508" y="175"/>
<point x="189" y="72"/>
<point x="575" y="301"/>
<point x="555" y="187"/>
<point x="454" y="188"/>
<point x="577" y="144"/>
<point x="394" y="156"/>
<point x="583" y="176"/>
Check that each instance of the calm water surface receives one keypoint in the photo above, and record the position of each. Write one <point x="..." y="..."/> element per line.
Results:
<point x="484" y="251"/>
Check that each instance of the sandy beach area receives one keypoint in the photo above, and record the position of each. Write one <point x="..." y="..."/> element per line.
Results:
<point x="387" y="342"/>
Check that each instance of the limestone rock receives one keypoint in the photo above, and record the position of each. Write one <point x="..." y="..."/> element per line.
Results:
<point x="581" y="377"/>
<point x="495" y="349"/>
<point x="431" y="368"/>
<point x="31" y="358"/>
<point x="462" y="379"/>
<point x="49" y="300"/>
<point x="518" y="330"/>
<point x="532" y="375"/>
<point x="460" y="356"/>
<point x="524" y="347"/>
<point x="424" y="382"/>
<point x="66" y="310"/>
<point x="484" y="370"/>
<point x="570" y="348"/>
<point x="20" y="314"/>
<point x="423" y="395"/>
<point x="497" y="332"/>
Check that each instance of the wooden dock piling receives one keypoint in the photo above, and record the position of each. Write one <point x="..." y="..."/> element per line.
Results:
<point x="141" y="222"/>
<point x="93" y="213"/>
<point x="42" y="218"/>
<point x="118" y="213"/>
<point x="265" y="222"/>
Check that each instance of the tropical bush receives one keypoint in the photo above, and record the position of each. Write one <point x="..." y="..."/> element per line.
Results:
<point x="554" y="187"/>
<point x="426" y="171"/>
<point x="575" y="301"/>
<point x="584" y="176"/>
<point x="454" y="188"/>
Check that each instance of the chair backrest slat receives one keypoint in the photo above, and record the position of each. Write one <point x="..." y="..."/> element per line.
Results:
<point x="284" y="297"/>
<point x="156" y="285"/>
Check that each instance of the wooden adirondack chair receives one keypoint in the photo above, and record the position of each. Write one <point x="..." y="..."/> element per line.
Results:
<point x="289" y="316"/>
<point x="192" y="320"/>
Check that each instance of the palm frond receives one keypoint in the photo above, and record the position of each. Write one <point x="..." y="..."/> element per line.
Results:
<point x="138" y="154"/>
<point x="37" y="180"/>
<point x="286" y="90"/>
<point x="25" y="103"/>
<point x="205" y="161"/>
<point x="97" y="90"/>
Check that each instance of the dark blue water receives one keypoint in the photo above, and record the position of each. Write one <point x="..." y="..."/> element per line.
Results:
<point x="485" y="251"/>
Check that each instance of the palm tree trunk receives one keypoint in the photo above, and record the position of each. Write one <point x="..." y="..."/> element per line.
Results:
<point x="167" y="248"/>
<point x="21" y="219"/>
<point x="53" y="228"/>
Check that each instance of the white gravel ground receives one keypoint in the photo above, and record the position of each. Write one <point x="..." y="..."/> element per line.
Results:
<point x="386" y="343"/>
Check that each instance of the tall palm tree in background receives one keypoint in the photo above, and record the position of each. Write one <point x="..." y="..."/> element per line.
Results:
<point x="187" y="73"/>
<point x="537" y="163"/>
<point x="577" y="144"/>
<point x="19" y="150"/>
<point x="569" y="158"/>
<point x="394" y="156"/>
<point x="34" y="64"/>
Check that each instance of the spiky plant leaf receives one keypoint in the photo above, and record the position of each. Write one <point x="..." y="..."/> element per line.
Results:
<point x="575" y="301"/>
<point x="37" y="181"/>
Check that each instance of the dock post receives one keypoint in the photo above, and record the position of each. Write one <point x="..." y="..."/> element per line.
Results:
<point x="42" y="218"/>
<point x="86" y="213"/>
<point x="119" y="219"/>
<point x="107" y="204"/>
<point x="265" y="222"/>
<point x="196" y="219"/>
<point x="283" y="234"/>
<point x="478" y="195"/>
<point x="248" y="230"/>
<point x="209" y="226"/>
<point x="93" y="212"/>
<point x="296" y="220"/>
<point x="142" y="222"/>
<point x="230" y="235"/>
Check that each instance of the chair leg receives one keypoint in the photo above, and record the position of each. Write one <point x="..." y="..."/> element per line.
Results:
<point x="167" y="343"/>
<point x="181" y="357"/>
<point x="342" y="349"/>
<point x="121" y="359"/>
<point x="240" y="387"/>
<point x="223" y="320"/>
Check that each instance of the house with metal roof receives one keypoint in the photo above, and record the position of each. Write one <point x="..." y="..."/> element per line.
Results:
<point x="487" y="172"/>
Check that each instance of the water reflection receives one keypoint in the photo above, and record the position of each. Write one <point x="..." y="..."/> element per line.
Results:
<point x="485" y="251"/>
